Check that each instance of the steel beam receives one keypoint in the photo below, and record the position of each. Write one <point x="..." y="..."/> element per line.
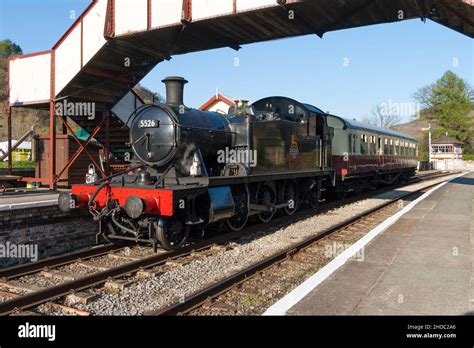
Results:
<point x="9" y="151"/>
<point x="52" y="126"/>
<point x="106" y="116"/>
<point x="82" y="148"/>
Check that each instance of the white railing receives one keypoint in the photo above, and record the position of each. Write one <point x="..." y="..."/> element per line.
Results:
<point x="453" y="164"/>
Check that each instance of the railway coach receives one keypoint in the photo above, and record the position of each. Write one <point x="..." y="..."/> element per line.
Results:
<point x="365" y="156"/>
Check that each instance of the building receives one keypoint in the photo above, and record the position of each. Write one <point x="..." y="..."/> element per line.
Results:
<point x="22" y="153"/>
<point x="446" y="148"/>
<point x="218" y="103"/>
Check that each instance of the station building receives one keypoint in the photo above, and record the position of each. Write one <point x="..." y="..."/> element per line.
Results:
<point x="446" y="148"/>
<point x="21" y="153"/>
<point x="218" y="103"/>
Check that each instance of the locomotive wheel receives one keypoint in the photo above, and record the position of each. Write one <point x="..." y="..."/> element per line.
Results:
<point x="266" y="196"/>
<point x="173" y="235"/>
<point x="241" y="217"/>
<point x="290" y="195"/>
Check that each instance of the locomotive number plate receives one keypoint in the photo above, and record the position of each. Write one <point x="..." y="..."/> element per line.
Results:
<point x="149" y="124"/>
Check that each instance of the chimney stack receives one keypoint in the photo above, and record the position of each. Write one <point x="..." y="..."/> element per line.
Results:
<point x="174" y="90"/>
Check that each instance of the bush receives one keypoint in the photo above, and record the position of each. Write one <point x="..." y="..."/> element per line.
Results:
<point x="468" y="157"/>
<point x="19" y="164"/>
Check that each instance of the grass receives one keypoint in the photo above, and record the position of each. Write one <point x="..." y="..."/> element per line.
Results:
<point x="468" y="157"/>
<point x="19" y="165"/>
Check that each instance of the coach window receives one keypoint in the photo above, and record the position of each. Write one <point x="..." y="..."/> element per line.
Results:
<point x="372" y="149"/>
<point x="364" y="146"/>
<point x="379" y="146"/>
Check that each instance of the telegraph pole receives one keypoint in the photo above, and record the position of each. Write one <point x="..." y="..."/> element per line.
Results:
<point x="429" y="144"/>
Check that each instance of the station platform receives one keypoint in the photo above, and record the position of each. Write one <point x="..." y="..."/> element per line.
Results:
<point x="25" y="199"/>
<point x="420" y="265"/>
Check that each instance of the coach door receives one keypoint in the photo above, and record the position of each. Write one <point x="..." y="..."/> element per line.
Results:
<point x="380" y="151"/>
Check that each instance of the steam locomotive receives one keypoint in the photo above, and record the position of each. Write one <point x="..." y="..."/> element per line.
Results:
<point x="193" y="168"/>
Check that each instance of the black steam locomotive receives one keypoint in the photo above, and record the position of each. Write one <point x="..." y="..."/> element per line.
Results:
<point x="195" y="168"/>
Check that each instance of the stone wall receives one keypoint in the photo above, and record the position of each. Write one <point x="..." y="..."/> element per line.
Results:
<point x="47" y="229"/>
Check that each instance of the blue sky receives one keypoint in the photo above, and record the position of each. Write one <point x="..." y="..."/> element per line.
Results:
<point x="386" y="63"/>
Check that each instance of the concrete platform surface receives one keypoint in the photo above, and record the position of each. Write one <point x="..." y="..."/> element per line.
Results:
<point x="421" y="265"/>
<point x="29" y="199"/>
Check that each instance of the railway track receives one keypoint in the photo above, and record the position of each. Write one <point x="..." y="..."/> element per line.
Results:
<point x="103" y="274"/>
<point x="206" y="296"/>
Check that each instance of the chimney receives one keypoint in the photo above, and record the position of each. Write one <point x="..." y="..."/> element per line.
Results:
<point x="174" y="90"/>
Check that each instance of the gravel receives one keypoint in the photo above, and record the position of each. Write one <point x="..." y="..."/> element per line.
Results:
<point x="39" y="280"/>
<point x="4" y="298"/>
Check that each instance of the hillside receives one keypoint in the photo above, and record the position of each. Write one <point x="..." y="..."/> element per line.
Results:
<point x="417" y="128"/>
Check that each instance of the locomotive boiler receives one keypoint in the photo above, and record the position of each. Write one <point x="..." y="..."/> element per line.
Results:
<point x="164" y="134"/>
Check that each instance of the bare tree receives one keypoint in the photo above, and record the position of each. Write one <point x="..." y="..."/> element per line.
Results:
<point x="382" y="118"/>
<point x="423" y="96"/>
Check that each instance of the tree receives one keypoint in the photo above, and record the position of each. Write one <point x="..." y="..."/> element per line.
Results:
<point x="147" y="95"/>
<point x="382" y="117"/>
<point x="447" y="103"/>
<point x="9" y="48"/>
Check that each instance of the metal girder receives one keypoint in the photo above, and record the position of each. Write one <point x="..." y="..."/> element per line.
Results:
<point x="82" y="146"/>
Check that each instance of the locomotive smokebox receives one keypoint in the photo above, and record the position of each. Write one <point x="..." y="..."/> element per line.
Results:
<point x="174" y="90"/>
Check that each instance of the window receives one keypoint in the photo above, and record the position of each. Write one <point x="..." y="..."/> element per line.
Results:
<point x="379" y="146"/>
<point x="364" y="146"/>
<point x="373" y="145"/>
<point x="442" y="148"/>
<point x="396" y="150"/>
<point x="386" y="147"/>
